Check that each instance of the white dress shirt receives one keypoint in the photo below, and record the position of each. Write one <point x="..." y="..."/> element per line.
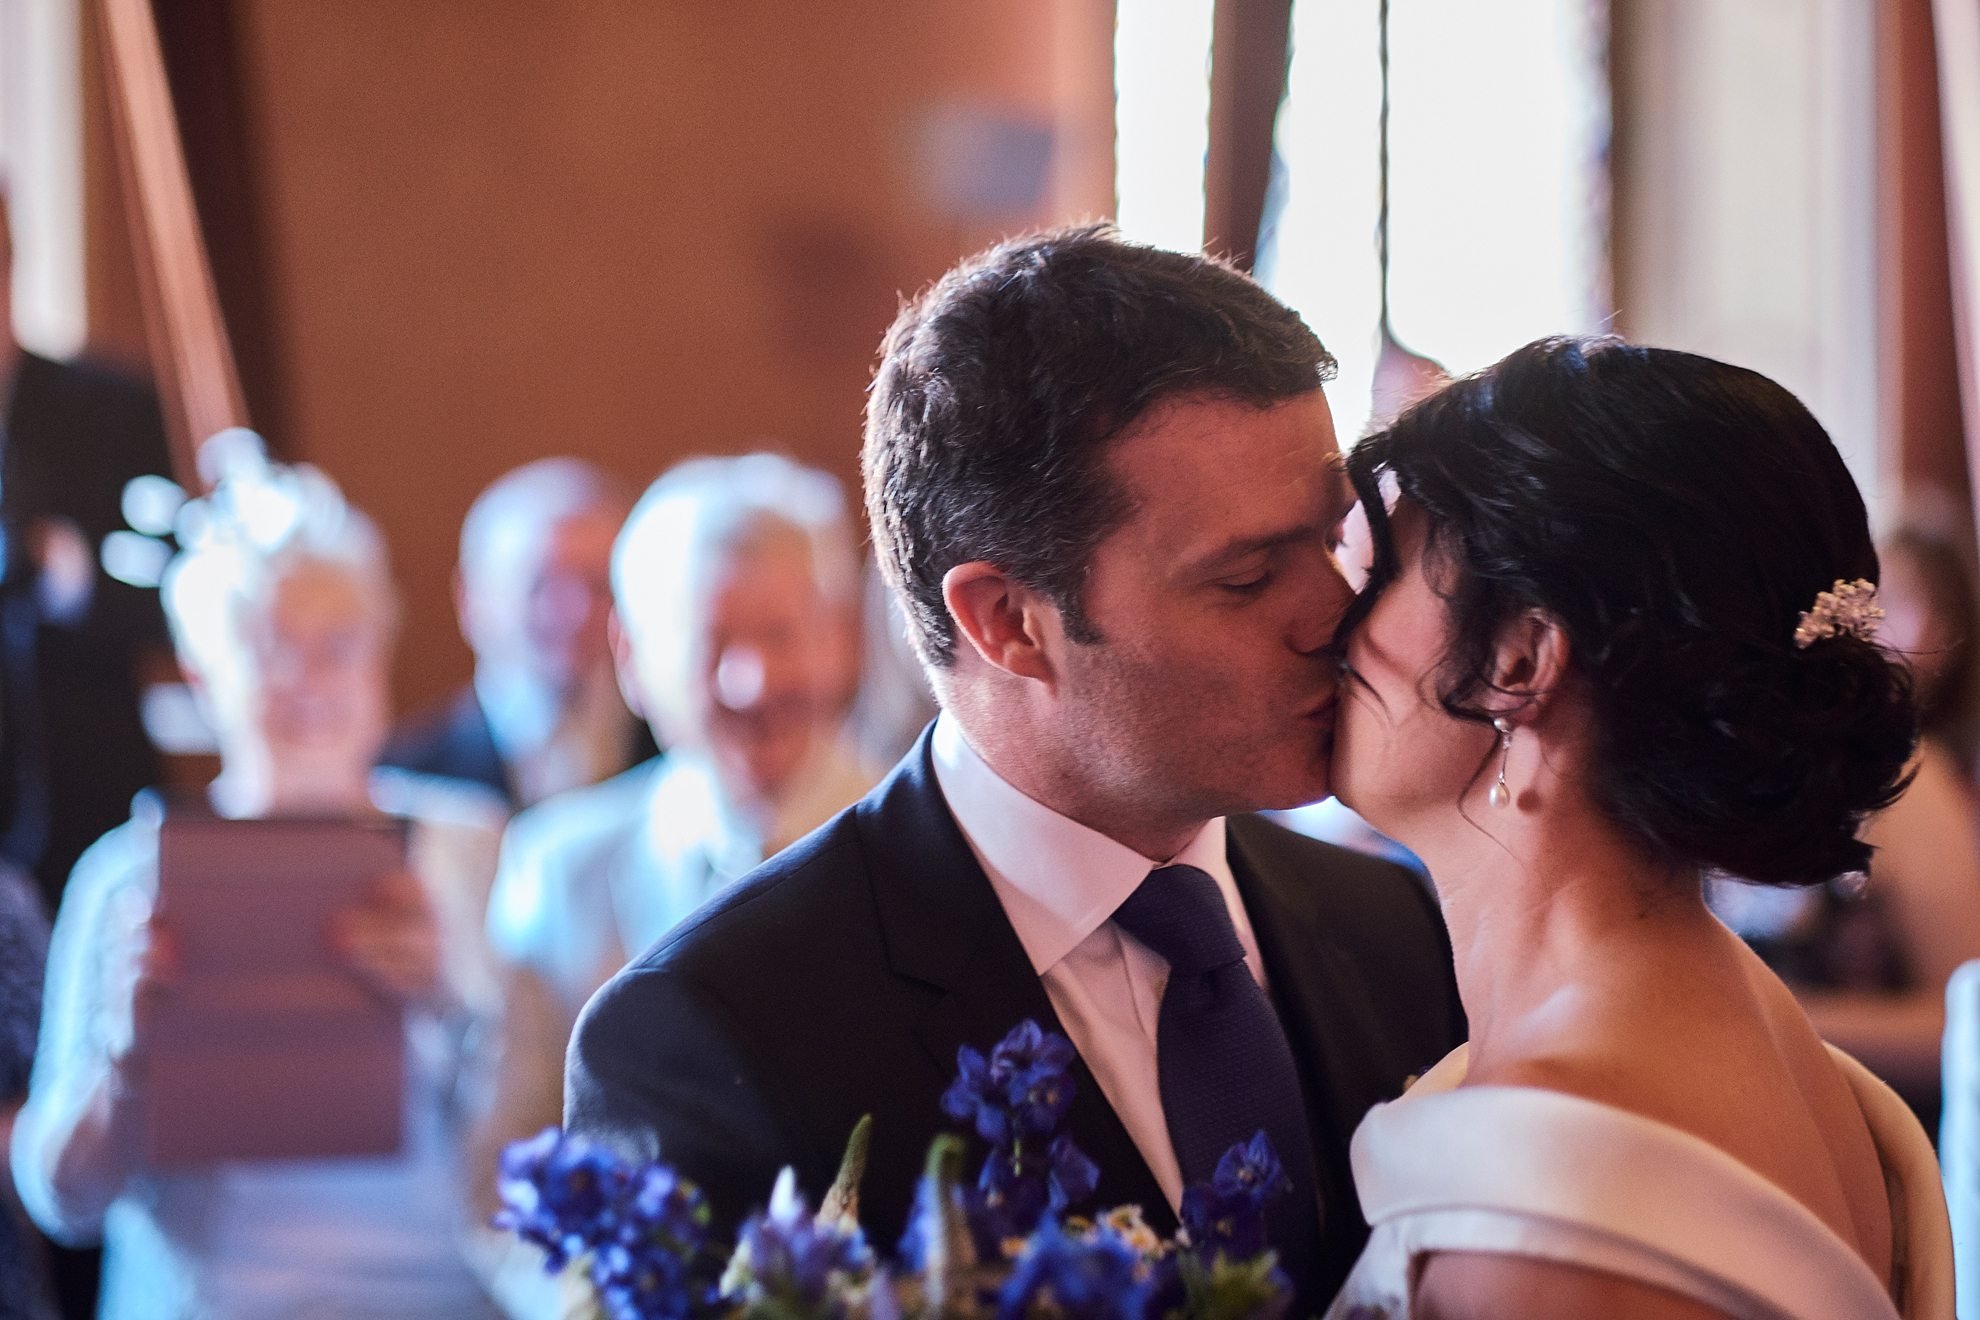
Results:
<point x="1060" y="883"/>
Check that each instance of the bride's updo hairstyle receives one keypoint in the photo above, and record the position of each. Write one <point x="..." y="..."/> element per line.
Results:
<point x="1676" y="516"/>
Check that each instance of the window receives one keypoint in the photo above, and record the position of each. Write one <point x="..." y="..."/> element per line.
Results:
<point x="1162" y="119"/>
<point x="1498" y="219"/>
<point x="1498" y="170"/>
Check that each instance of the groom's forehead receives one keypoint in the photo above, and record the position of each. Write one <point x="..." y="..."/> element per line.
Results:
<point x="1198" y="487"/>
<point x="1224" y="441"/>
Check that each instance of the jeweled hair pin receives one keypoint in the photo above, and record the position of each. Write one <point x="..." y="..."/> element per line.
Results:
<point x="1847" y="609"/>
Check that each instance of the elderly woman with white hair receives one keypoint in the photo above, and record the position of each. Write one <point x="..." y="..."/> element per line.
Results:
<point x="735" y="588"/>
<point x="281" y="607"/>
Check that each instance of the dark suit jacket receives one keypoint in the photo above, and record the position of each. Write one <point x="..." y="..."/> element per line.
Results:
<point x="840" y="978"/>
<point x="455" y="742"/>
<point x="73" y="750"/>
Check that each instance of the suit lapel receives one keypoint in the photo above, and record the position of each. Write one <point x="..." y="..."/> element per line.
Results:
<point x="1324" y="1006"/>
<point x="945" y="930"/>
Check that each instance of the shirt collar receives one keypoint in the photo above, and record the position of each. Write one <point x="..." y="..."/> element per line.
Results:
<point x="1058" y="880"/>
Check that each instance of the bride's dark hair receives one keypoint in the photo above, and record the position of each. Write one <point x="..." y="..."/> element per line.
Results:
<point x="1676" y="516"/>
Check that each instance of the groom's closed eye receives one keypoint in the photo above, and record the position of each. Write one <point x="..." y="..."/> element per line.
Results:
<point x="1250" y="585"/>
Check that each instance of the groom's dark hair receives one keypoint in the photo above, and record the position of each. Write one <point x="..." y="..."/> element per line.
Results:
<point x="1001" y="386"/>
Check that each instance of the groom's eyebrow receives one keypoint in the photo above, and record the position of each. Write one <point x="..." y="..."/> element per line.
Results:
<point x="1337" y="500"/>
<point x="1232" y="552"/>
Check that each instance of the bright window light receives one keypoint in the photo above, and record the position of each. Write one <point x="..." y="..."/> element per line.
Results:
<point x="1320" y="257"/>
<point x="1498" y="133"/>
<point x="1162" y="119"/>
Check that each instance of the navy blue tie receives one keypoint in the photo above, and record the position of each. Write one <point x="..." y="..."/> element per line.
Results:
<point x="1225" y="1067"/>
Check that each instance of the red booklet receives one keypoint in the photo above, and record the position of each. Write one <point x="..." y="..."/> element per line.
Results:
<point x="269" y="1046"/>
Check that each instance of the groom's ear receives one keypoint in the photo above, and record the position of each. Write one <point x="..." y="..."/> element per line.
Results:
<point x="1004" y="621"/>
<point x="1529" y="661"/>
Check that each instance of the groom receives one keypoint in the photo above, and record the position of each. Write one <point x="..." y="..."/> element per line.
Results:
<point x="1103" y="482"/>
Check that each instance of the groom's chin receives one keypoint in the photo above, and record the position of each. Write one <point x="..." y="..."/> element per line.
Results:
<point x="1310" y="784"/>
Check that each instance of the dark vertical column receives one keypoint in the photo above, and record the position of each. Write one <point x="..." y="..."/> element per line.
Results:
<point x="1923" y="437"/>
<point x="1249" y="54"/>
<point x="200" y="40"/>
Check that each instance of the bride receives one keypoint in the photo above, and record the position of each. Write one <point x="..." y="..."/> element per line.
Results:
<point x="1617" y="637"/>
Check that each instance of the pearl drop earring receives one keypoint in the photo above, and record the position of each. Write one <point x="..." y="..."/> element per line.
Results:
<point x="1501" y="794"/>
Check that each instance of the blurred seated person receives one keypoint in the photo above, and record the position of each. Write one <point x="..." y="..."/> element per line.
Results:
<point x="23" y="955"/>
<point x="532" y="592"/>
<point x="735" y="585"/>
<point x="281" y="607"/>
<point x="893" y="703"/>
<point x="1869" y="958"/>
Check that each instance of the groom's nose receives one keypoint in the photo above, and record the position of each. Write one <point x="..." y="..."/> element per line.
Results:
<point x="1315" y="615"/>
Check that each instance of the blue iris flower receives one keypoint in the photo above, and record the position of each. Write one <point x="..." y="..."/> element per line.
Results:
<point x="559" y="1193"/>
<point x="1039" y="1097"/>
<point x="1252" y="1168"/>
<point x="644" y="1232"/>
<point x="660" y="1211"/>
<point x="1097" y="1277"/>
<point x="795" y="1259"/>
<point x="1221" y="1225"/>
<point x="635" y="1285"/>
<point x="1074" y="1177"/>
<point x="976" y="1099"/>
<point x="1016" y="1099"/>
<point x="1226" y="1216"/>
<point x="1029" y="1048"/>
<point x="655" y="1266"/>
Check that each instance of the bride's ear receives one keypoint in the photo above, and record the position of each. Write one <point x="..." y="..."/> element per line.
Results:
<point x="1529" y="662"/>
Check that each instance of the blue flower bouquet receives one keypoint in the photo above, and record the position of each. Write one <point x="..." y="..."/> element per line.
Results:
<point x="1009" y="1243"/>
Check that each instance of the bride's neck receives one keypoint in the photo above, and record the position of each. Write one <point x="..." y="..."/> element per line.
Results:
<point x="1545" y="903"/>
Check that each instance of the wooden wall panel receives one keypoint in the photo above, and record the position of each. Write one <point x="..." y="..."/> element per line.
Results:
<point x="1745" y="169"/>
<point x="633" y="231"/>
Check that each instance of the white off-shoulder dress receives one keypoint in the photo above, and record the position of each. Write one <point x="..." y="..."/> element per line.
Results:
<point x="1522" y="1171"/>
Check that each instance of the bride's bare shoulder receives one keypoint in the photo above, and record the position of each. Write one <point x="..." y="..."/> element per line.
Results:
<point x="1752" y="1079"/>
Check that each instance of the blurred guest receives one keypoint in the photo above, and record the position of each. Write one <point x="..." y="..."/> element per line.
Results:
<point x="894" y="702"/>
<point x="1931" y="616"/>
<point x="1869" y="958"/>
<point x="735" y="585"/>
<point x="73" y="640"/>
<point x="532" y="592"/>
<point x="23" y="953"/>
<point x="282" y="609"/>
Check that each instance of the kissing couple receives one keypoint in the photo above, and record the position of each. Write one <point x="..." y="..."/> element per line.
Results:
<point x="1617" y="634"/>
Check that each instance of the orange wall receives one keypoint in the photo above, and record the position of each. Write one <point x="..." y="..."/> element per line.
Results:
<point x="631" y="230"/>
